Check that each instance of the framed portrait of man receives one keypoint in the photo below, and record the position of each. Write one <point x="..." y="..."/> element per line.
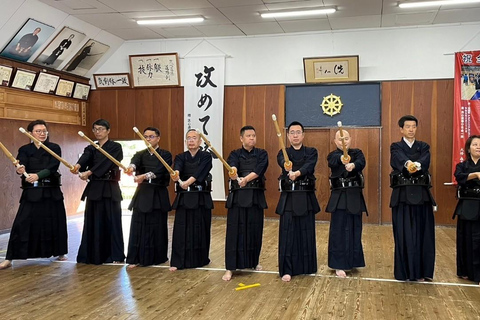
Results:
<point x="63" y="45"/>
<point x="86" y="57"/>
<point x="31" y="36"/>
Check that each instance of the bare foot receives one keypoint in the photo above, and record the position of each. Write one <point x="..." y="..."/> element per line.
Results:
<point x="173" y="269"/>
<point x="118" y="262"/>
<point x="420" y="280"/>
<point x="131" y="266"/>
<point x="258" y="268"/>
<point x="5" y="264"/>
<point x="341" y="273"/>
<point x="62" y="257"/>
<point x="227" y="276"/>
<point x="287" y="278"/>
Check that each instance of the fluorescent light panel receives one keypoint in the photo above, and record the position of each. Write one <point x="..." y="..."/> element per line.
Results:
<point x="297" y="13"/>
<point x="435" y="3"/>
<point x="171" y="21"/>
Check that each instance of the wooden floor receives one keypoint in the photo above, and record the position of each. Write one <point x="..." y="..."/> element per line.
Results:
<point x="47" y="289"/>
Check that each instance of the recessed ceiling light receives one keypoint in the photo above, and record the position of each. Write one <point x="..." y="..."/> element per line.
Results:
<point x="297" y="13"/>
<point x="171" y="21"/>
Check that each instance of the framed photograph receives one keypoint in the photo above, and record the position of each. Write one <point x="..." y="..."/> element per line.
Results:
<point x="112" y="80"/>
<point x="64" y="44"/>
<point x="5" y="75"/>
<point x="31" y="36"/>
<point x="81" y="91"/>
<point x="46" y="83"/>
<point x="24" y="79"/>
<point x="86" y="57"/>
<point x="154" y="70"/>
<point x="331" y="69"/>
<point x="65" y="88"/>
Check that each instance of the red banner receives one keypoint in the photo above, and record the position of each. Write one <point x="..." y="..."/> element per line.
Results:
<point x="466" y="112"/>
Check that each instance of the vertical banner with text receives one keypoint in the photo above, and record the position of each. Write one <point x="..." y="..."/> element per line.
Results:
<point x="204" y="81"/>
<point x="466" y="113"/>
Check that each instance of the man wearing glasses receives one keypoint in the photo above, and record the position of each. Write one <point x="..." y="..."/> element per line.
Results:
<point x="297" y="207"/>
<point x="102" y="237"/>
<point x="193" y="205"/>
<point x="148" y="242"/>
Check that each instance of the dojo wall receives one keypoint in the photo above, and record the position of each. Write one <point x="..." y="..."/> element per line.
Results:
<point x="430" y="100"/>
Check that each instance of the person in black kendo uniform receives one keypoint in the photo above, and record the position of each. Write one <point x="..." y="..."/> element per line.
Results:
<point x="467" y="174"/>
<point x="148" y="241"/>
<point x="346" y="204"/>
<point x="412" y="205"/>
<point x="40" y="226"/>
<point x="297" y="206"/>
<point x="246" y="203"/>
<point x="193" y="205"/>
<point x="102" y="236"/>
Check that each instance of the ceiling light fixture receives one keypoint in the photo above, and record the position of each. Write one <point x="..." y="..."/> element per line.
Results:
<point x="298" y="13"/>
<point x="435" y="3"/>
<point x="171" y="21"/>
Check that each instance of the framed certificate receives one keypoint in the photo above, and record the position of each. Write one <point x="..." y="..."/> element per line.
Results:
<point x="65" y="88"/>
<point x="5" y="75"/>
<point x="46" y="83"/>
<point x="112" y="80"/>
<point x="81" y="91"/>
<point x="24" y="79"/>
<point x="331" y="69"/>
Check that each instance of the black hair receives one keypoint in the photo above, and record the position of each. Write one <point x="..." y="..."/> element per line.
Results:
<point x="157" y="132"/>
<point x="295" y="123"/>
<point x="468" y="143"/>
<point x="408" y="117"/>
<point x="245" y="128"/>
<point x="32" y="124"/>
<point x="101" y="122"/>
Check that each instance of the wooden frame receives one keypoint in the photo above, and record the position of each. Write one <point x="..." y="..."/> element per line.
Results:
<point x="331" y="69"/>
<point x="65" y="88"/>
<point x="46" y="83"/>
<point x="81" y="91"/>
<point x="24" y="79"/>
<point x="154" y="70"/>
<point x="112" y="80"/>
<point x="5" y="75"/>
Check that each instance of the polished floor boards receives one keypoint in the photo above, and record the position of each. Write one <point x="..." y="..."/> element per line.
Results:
<point x="47" y="289"/>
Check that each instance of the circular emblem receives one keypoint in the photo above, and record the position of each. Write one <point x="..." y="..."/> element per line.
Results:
<point x="331" y="105"/>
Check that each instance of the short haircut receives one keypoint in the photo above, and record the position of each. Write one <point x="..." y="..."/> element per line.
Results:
<point x="295" y="123"/>
<point x="157" y="132"/>
<point x="101" y="122"/>
<point x="408" y="117"/>
<point x="245" y="128"/>
<point x="190" y="130"/>
<point x="32" y="124"/>
<point x="468" y="143"/>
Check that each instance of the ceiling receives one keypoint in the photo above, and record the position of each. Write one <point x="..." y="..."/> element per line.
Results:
<point x="226" y="18"/>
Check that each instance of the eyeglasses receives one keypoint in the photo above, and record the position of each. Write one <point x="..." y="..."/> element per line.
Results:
<point x="150" y="137"/>
<point x="99" y="129"/>
<point x="298" y="132"/>
<point x="192" y="138"/>
<point x="41" y="131"/>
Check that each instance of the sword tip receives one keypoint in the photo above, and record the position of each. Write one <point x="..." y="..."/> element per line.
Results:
<point x="339" y="123"/>
<point x="80" y="133"/>
<point x="274" y="117"/>
<point x="21" y="130"/>
<point x="135" y="129"/>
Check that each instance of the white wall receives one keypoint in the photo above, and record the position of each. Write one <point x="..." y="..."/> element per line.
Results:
<point x="14" y="13"/>
<point x="385" y="54"/>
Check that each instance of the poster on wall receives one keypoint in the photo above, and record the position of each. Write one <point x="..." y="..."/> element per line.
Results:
<point x="31" y="36"/>
<point x="86" y="57"/>
<point x="64" y="44"/>
<point x="466" y="112"/>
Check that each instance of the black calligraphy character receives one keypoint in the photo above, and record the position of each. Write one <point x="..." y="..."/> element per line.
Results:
<point x="205" y="120"/>
<point x="338" y="69"/>
<point x="141" y="69"/>
<point x="204" y="99"/>
<point x="208" y="74"/>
